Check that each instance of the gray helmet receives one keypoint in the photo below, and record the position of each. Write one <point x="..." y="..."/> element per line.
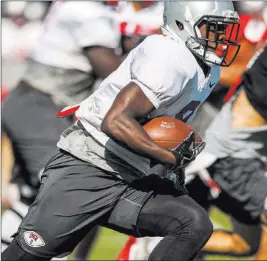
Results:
<point x="182" y="21"/>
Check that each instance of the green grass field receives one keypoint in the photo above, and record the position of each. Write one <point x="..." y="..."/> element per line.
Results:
<point x="110" y="242"/>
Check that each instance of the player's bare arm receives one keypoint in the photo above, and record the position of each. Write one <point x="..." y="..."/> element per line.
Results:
<point x="229" y="74"/>
<point x="245" y="111"/>
<point x="121" y="124"/>
<point x="103" y="60"/>
<point x="244" y="115"/>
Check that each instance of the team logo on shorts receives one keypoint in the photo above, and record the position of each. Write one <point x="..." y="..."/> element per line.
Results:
<point x="33" y="239"/>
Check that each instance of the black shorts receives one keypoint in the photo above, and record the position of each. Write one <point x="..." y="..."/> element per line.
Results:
<point x="75" y="196"/>
<point x="78" y="197"/>
<point x="30" y="122"/>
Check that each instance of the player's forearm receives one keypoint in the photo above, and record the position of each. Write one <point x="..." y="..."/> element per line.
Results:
<point x="128" y="131"/>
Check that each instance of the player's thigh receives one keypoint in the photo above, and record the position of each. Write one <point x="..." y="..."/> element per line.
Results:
<point x="29" y="118"/>
<point x="163" y="215"/>
<point x="124" y="216"/>
<point x="150" y="204"/>
<point x="73" y="198"/>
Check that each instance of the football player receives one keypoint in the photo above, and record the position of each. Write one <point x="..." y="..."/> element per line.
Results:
<point x="100" y="175"/>
<point x="136" y="20"/>
<point x="75" y="51"/>
<point x="247" y="237"/>
<point x="236" y="142"/>
<point x="235" y="157"/>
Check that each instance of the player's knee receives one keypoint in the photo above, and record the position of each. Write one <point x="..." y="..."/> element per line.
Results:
<point x="15" y="252"/>
<point x="200" y="223"/>
<point x="196" y="223"/>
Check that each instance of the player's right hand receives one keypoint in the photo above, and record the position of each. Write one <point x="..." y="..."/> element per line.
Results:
<point x="186" y="152"/>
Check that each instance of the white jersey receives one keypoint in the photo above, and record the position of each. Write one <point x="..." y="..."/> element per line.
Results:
<point x="58" y="65"/>
<point x="170" y="77"/>
<point x="72" y="25"/>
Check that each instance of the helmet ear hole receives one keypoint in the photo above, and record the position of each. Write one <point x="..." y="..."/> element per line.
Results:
<point x="179" y="25"/>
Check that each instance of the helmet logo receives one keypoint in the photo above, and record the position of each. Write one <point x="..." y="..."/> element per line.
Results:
<point x="179" y="25"/>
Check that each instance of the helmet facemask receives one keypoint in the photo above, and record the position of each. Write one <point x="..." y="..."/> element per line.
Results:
<point x="215" y="40"/>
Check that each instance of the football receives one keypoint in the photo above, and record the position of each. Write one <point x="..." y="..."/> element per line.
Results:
<point x="168" y="132"/>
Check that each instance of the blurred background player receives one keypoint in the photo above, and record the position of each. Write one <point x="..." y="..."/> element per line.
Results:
<point x="249" y="237"/>
<point x="22" y="24"/>
<point x="252" y="33"/>
<point x="137" y="20"/>
<point x="20" y="31"/>
<point x="75" y="50"/>
<point x="235" y="158"/>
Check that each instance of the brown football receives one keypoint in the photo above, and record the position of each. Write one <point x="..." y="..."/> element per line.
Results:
<point x="168" y="132"/>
